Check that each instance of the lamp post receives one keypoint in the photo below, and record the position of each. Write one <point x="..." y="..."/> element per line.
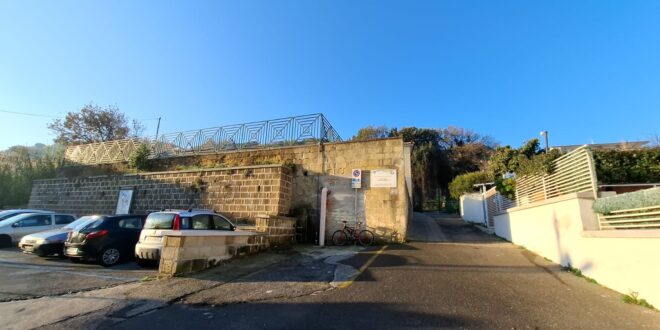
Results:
<point x="545" y="135"/>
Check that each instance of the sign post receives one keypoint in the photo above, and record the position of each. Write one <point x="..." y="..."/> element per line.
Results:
<point x="356" y="183"/>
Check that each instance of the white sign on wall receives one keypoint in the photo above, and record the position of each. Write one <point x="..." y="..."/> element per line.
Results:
<point x="124" y="201"/>
<point x="356" y="178"/>
<point x="383" y="179"/>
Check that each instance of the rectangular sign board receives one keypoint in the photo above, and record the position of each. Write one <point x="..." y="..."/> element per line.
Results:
<point x="356" y="178"/>
<point x="124" y="201"/>
<point x="383" y="179"/>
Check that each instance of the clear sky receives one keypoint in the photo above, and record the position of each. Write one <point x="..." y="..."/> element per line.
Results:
<point x="586" y="71"/>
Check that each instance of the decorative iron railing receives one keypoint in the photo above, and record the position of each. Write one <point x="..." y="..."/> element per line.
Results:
<point x="271" y="133"/>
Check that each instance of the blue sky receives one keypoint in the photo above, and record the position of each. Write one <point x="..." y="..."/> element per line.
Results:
<point x="586" y="71"/>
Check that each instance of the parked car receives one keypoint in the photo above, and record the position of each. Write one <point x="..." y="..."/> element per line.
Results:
<point x="6" y="214"/>
<point x="14" y="228"/>
<point x="150" y="244"/>
<point x="51" y="242"/>
<point x="108" y="239"/>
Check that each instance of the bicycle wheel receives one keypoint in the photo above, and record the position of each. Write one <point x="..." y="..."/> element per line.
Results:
<point x="366" y="237"/>
<point x="339" y="238"/>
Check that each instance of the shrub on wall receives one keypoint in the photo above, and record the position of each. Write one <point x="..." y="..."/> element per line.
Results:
<point x="630" y="166"/>
<point x="633" y="200"/>
<point x="140" y="157"/>
<point x="464" y="183"/>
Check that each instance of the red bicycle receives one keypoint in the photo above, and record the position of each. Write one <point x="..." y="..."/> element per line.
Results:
<point x="347" y="233"/>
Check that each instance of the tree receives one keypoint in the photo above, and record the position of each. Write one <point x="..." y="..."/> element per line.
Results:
<point x="464" y="183"/>
<point x="94" y="124"/>
<point x="20" y="165"/>
<point x="529" y="159"/>
<point x="372" y="132"/>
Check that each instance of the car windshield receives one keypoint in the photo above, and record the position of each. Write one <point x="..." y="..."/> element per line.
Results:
<point x="159" y="221"/>
<point x="6" y="213"/>
<point x="93" y="224"/>
<point x="9" y="213"/>
<point x="81" y="222"/>
<point x="18" y="217"/>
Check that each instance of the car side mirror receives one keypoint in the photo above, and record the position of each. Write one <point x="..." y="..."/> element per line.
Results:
<point x="16" y="224"/>
<point x="233" y="228"/>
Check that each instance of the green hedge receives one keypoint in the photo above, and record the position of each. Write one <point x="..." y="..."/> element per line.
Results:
<point x="633" y="200"/>
<point x="633" y="166"/>
<point x="464" y="183"/>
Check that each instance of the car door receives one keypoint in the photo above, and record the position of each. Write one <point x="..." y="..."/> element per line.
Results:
<point x="30" y="225"/>
<point x="129" y="231"/>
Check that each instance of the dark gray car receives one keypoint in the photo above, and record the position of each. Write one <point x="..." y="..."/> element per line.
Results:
<point x="51" y="242"/>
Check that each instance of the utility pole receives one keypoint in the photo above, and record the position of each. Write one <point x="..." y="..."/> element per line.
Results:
<point x="157" y="128"/>
<point x="545" y="135"/>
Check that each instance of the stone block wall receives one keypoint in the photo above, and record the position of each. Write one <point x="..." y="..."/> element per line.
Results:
<point x="240" y="192"/>
<point x="385" y="210"/>
<point x="280" y="231"/>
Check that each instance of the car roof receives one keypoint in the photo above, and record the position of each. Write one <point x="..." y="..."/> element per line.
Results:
<point x="189" y="213"/>
<point x="25" y="211"/>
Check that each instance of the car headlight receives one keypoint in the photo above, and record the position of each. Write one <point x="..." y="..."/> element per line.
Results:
<point x="42" y="241"/>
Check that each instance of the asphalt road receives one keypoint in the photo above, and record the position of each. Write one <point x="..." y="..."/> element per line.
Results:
<point x="24" y="276"/>
<point x="459" y="278"/>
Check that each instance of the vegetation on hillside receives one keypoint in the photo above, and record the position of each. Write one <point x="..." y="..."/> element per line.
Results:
<point x="20" y="165"/>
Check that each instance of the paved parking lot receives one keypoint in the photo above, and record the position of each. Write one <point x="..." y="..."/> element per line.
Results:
<point x="25" y="276"/>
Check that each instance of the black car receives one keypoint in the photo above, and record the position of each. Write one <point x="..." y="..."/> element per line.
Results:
<point x="108" y="240"/>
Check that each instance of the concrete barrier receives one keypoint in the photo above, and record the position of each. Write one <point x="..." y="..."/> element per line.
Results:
<point x="191" y="251"/>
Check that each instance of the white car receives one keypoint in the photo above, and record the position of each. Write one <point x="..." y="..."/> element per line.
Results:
<point x="14" y="228"/>
<point x="159" y="223"/>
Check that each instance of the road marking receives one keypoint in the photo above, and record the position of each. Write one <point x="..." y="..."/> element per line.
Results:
<point x="364" y="267"/>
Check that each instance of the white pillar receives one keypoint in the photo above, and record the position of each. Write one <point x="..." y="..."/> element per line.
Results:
<point x="324" y="202"/>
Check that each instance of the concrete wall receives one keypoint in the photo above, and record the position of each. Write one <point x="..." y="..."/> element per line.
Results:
<point x="559" y="229"/>
<point x="472" y="208"/>
<point x="241" y="192"/>
<point x="191" y="251"/>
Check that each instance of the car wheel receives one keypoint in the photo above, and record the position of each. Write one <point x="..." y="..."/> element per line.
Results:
<point x="109" y="256"/>
<point x="40" y="253"/>
<point x="5" y="241"/>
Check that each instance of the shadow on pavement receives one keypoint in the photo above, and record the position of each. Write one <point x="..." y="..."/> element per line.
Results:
<point x="299" y="315"/>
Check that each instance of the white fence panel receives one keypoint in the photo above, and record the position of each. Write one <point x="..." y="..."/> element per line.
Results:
<point x="571" y="173"/>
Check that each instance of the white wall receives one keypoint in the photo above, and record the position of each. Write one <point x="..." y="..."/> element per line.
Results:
<point x="472" y="208"/>
<point x="624" y="261"/>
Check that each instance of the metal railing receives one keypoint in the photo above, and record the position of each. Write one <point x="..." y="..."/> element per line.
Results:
<point x="271" y="133"/>
<point x="639" y="218"/>
<point x="571" y="173"/>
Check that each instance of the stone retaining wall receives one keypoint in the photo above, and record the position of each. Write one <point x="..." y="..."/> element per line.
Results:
<point x="385" y="210"/>
<point x="240" y="192"/>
